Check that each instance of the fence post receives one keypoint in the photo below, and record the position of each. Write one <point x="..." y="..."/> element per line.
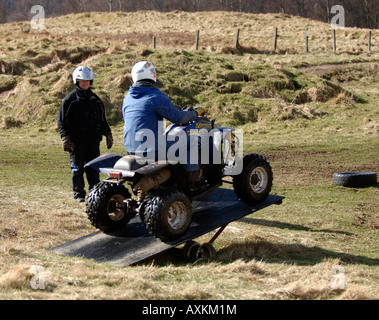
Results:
<point x="334" y="41"/>
<point x="197" y="40"/>
<point x="306" y="40"/>
<point x="369" y="41"/>
<point x="275" y="38"/>
<point x="237" y="38"/>
<point x="154" y="42"/>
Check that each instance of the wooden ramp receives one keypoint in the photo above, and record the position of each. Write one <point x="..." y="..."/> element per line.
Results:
<point x="134" y="244"/>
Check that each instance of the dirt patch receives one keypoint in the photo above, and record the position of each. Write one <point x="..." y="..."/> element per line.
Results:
<point x="319" y="70"/>
<point x="364" y="219"/>
<point x="76" y="55"/>
<point x="298" y="167"/>
<point x="12" y="68"/>
<point x="10" y="122"/>
<point x="369" y="217"/>
<point x="315" y="94"/>
<point x="45" y="59"/>
<point x="342" y="72"/>
<point x="7" y="233"/>
<point x="292" y="166"/>
<point x="287" y="112"/>
<point x="7" y="83"/>
<point x="291" y="154"/>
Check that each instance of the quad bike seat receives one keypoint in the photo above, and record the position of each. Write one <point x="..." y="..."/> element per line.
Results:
<point x="129" y="162"/>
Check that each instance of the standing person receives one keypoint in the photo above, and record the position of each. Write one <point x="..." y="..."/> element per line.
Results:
<point x="82" y="123"/>
<point x="145" y="105"/>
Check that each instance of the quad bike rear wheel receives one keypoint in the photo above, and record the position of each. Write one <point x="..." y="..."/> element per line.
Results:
<point x="105" y="207"/>
<point x="254" y="183"/>
<point x="168" y="214"/>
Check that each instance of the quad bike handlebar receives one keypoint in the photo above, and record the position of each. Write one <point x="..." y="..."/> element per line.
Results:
<point x="200" y="110"/>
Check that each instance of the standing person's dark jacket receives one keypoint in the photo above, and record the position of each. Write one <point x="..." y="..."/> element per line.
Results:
<point x="82" y="117"/>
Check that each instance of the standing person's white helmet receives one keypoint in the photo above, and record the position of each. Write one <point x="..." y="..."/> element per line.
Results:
<point x="82" y="73"/>
<point x="144" y="70"/>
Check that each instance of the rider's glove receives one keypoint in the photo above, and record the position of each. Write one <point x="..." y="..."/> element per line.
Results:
<point x="67" y="144"/>
<point x="109" y="139"/>
<point x="200" y="111"/>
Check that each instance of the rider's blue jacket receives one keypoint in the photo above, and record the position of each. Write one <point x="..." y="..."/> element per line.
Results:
<point x="143" y="107"/>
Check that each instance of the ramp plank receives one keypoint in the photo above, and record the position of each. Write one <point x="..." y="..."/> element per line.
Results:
<point x="134" y="244"/>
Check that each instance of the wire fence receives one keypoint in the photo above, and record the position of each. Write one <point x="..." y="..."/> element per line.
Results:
<point x="282" y="43"/>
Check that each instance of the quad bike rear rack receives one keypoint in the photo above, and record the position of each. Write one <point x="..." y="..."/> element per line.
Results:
<point x="134" y="244"/>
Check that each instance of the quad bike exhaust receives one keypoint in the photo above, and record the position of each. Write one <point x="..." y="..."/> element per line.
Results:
<point x="152" y="181"/>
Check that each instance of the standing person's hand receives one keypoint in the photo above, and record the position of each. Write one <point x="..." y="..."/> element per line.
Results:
<point x="109" y="138"/>
<point x="68" y="146"/>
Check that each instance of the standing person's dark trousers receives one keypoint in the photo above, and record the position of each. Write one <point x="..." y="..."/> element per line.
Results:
<point x="82" y="154"/>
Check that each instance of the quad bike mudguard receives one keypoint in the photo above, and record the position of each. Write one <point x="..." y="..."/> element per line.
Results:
<point x="124" y="166"/>
<point x="104" y="161"/>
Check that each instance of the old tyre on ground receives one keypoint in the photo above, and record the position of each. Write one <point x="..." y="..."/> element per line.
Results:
<point x="105" y="207"/>
<point x="354" y="179"/>
<point x="168" y="214"/>
<point x="254" y="183"/>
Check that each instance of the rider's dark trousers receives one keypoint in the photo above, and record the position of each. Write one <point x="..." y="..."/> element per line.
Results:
<point x="82" y="154"/>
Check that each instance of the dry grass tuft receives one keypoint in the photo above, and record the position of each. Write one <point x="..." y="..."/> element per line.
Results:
<point x="303" y="291"/>
<point x="344" y="99"/>
<point x="10" y="122"/>
<point x="288" y="112"/>
<point x="315" y="95"/>
<point x="251" y="267"/>
<point x="357" y="293"/>
<point x="17" y="278"/>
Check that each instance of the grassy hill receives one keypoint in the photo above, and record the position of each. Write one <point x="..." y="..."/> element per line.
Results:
<point x="311" y="114"/>
<point x="36" y="66"/>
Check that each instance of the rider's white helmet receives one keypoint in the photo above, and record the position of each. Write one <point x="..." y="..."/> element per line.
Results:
<point x="82" y="73"/>
<point x="144" y="70"/>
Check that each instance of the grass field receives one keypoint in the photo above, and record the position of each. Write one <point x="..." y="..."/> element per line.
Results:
<point x="310" y="114"/>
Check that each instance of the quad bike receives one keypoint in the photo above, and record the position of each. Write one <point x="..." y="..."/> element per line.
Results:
<point x="161" y="192"/>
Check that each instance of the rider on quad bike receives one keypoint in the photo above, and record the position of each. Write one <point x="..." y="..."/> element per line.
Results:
<point x="153" y="180"/>
<point x="145" y="107"/>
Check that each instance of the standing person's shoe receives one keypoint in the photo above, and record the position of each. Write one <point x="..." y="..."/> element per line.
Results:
<point x="79" y="199"/>
<point x="80" y="196"/>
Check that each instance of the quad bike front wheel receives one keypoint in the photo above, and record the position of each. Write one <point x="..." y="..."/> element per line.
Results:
<point x="105" y="207"/>
<point x="254" y="183"/>
<point x="168" y="214"/>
